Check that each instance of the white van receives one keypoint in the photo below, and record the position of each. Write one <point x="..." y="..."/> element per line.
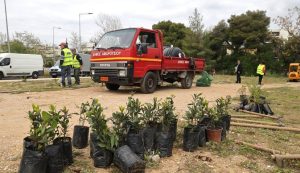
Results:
<point x="15" y="64"/>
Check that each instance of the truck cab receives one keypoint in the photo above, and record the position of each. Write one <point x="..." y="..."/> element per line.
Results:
<point x="135" y="56"/>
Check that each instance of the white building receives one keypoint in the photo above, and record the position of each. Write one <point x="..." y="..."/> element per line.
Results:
<point x="280" y="33"/>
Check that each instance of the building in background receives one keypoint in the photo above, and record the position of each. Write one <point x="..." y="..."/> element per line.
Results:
<point x="280" y="33"/>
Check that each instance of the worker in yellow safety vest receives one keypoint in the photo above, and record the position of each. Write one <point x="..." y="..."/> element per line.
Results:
<point x="66" y="62"/>
<point x="261" y="71"/>
<point x="77" y="64"/>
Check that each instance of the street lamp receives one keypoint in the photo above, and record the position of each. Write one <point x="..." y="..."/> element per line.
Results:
<point x="7" y="27"/>
<point x="79" y="46"/>
<point x="54" y="27"/>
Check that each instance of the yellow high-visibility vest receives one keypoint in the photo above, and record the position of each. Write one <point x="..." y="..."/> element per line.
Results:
<point x="68" y="57"/>
<point x="260" y="69"/>
<point x="76" y="63"/>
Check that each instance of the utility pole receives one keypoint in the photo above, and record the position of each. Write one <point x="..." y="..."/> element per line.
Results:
<point x="7" y="33"/>
<point x="79" y="46"/>
<point x="54" y="27"/>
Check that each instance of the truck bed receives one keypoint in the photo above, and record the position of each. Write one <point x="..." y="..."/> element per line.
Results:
<point x="176" y="63"/>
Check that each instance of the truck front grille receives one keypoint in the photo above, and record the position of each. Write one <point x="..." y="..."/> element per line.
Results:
<point x="106" y="72"/>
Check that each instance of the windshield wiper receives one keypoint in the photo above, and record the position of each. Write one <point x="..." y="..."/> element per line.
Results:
<point x="100" y="48"/>
<point x="116" y="47"/>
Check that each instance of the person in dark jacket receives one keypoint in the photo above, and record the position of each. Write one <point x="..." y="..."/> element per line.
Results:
<point x="77" y="66"/>
<point x="238" y="71"/>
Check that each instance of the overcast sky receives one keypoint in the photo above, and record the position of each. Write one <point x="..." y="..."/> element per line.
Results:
<point x="39" y="16"/>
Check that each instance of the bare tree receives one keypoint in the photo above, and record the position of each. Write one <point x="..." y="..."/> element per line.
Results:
<point x="106" y="23"/>
<point x="74" y="40"/>
<point x="28" y="39"/>
<point x="196" y="22"/>
<point x="291" y="22"/>
<point x="2" y="38"/>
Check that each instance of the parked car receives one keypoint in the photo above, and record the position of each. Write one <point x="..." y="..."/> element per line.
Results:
<point x="15" y="64"/>
<point x="55" y="70"/>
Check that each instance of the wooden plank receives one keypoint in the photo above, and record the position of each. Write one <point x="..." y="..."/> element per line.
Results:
<point x="256" y="122"/>
<point x="261" y="148"/>
<point x="263" y="115"/>
<point x="265" y="127"/>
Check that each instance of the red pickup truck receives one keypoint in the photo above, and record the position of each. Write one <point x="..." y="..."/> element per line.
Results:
<point x="137" y="57"/>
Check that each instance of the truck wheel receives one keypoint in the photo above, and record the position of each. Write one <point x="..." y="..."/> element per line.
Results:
<point x="187" y="82"/>
<point x="149" y="83"/>
<point x="112" y="87"/>
<point x="35" y="75"/>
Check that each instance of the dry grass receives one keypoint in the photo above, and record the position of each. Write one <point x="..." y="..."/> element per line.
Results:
<point x="40" y="85"/>
<point x="222" y="79"/>
<point x="283" y="101"/>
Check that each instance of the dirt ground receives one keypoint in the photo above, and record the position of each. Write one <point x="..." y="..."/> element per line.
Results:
<point x="14" y="124"/>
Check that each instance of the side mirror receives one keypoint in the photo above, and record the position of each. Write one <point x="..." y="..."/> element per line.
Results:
<point x="142" y="48"/>
<point x="1" y="63"/>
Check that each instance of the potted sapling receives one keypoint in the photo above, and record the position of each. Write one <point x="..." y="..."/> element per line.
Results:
<point x="243" y="97"/>
<point x="150" y="117"/>
<point x="202" y="116"/>
<point x="167" y="134"/>
<point x="81" y="132"/>
<point x="55" y="151"/>
<point x="255" y="98"/>
<point x="169" y="117"/>
<point x="191" y="130"/>
<point x="124" y="157"/>
<point x="120" y="122"/>
<point x="63" y="139"/>
<point x="222" y="109"/>
<point x="36" y="146"/>
<point x="105" y="141"/>
<point x="214" y="130"/>
<point x="134" y="137"/>
<point x="34" y="159"/>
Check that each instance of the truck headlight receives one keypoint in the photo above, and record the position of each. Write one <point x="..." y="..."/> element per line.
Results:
<point x="122" y="73"/>
<point x="92" y="72"/>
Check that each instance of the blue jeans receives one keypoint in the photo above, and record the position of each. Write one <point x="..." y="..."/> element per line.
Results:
<point x="66" y="72"/>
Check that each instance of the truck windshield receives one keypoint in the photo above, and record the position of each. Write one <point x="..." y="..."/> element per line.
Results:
<point x="293" y="68"/>
<point x="116" y="39"/>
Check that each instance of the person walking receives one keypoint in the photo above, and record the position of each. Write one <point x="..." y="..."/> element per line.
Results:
<point x="66" y="61"/>
<point x="238" y="71"/>
<point x="261" y="71"/>
<point x="77" y="65"/>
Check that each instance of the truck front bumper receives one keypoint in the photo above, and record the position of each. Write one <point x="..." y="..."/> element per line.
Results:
<point x="113" y="72"/>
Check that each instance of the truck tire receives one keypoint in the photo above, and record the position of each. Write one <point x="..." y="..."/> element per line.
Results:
<point x="1" y="76"/>
<point x="149" y="83"/>
<point x="187" y="82"/>
<point x="112" y="87"/>
<point x="35" y="75"/>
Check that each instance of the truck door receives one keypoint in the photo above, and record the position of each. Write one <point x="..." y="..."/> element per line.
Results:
<point x="150" y="39"/>
<point x="5" y="65"/>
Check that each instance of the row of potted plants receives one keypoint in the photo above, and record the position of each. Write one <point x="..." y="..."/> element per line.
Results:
<point x="140" y="127"/>
<point x="205" y="123"/>
<point x="135" y="129"/>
